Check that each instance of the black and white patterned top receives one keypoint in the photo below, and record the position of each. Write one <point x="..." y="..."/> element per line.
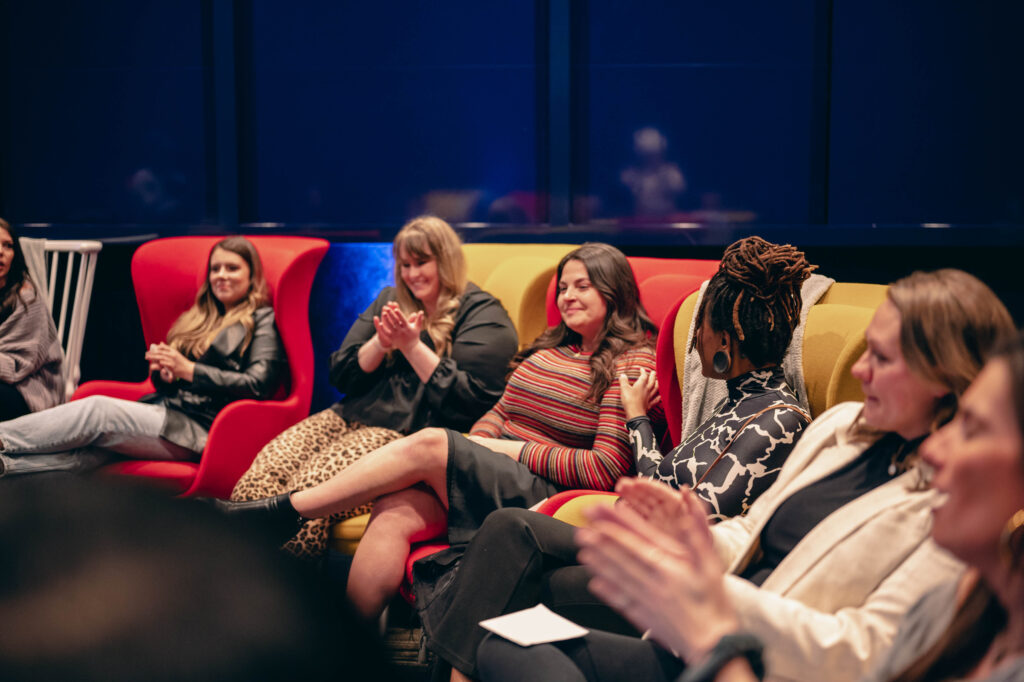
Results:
<point x="750" y="464"/>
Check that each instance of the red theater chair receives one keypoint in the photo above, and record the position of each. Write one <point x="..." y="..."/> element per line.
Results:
<point x="167" y="274"/>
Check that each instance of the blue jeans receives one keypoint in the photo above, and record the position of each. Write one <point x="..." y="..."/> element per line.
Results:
<point x="84" y="434"/>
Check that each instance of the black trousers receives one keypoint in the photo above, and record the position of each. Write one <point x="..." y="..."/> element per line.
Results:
<point x="596" y="657"/>
<point x="12" y="405"/>
<point x="516" y="560"/>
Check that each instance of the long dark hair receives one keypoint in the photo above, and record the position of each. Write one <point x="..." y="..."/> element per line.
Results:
<point x="755" y="297"/>
<point x="17" y="276"/>
<point x="626" y="323"/>
<point x="980" y="617"/>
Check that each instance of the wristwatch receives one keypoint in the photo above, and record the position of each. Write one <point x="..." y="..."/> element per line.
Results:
<point x="729" y="647"/>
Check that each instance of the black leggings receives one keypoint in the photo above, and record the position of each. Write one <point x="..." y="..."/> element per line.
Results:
<point x="12" y="405"/>
<point x="596" y="657"/>
<point x="516" y="560"/>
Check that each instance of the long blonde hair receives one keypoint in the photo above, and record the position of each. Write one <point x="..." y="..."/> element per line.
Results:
<point x="428" y="237"/>
<point x="195" y="330"/>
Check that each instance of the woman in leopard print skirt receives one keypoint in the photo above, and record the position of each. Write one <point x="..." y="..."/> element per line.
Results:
<point x="410" y="361"/>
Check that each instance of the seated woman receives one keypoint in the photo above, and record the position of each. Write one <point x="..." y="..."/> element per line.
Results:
<point x="413" y="359"/>
<point x="970" y="629"/>
<point x="559" y="424"/>
<point x="30" y="353"/>
<point x="828" y="560"/>
<point x="224" y="348"/>
<point x="743" y="327"/>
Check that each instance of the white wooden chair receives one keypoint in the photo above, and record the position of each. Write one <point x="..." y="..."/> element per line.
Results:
<point x="69" y="267"/>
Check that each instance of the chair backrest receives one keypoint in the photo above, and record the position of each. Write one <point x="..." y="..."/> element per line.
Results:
<point x="833" y="340"/>
<point x="168" y="272"/>
<point x="662" y="282"/>
<point x="70" y="271"/>
<point x="518" y="276"/>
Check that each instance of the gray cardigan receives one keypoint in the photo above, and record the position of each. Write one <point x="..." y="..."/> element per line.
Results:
<point x="30" y="354"/>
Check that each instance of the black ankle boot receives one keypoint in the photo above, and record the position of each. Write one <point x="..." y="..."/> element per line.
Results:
<point x="275" y="514"/>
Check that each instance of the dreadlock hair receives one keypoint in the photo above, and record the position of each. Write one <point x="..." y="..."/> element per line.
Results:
<point x="14" y="290"/>
<point x="626" y="323"/>
<point x="755" y="297"/>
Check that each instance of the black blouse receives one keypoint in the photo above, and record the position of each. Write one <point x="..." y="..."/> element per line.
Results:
<point x="805" y="509"/>
<point x="465" y="384"/>
<point x="753" y="459"/>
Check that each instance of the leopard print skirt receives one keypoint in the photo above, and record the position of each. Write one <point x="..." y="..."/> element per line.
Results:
<point x="306" y="455"/>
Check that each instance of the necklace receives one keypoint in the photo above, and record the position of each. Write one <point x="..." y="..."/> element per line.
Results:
<point x="898" y="463"/>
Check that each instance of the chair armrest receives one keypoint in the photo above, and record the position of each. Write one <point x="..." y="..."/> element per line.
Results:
<point x="237" y="435"/>
<point x="569" y="505"/>
<point x="115" y="389"/>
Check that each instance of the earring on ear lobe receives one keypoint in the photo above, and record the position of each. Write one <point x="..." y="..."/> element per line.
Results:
<point x="721" y="362"/>
<point x="1010" y="540"/>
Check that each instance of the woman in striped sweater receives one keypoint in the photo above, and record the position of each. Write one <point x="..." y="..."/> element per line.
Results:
<point x="559" y="424"/>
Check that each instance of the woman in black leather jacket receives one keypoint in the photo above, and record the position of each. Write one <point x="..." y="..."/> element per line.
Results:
<point x="225" y="347"/>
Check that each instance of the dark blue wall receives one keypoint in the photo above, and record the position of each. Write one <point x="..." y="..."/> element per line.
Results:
<point x="348" y="118"/>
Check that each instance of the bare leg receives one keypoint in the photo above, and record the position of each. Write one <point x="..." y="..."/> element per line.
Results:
<point x="378" y="567"/>
<point x="419" y="458"/>
<point x="458" y="677"/>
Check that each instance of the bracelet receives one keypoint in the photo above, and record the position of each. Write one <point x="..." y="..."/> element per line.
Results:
<point x="729" y="647"/>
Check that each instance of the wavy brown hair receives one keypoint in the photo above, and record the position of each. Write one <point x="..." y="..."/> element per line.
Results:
<point x="755" y="298"/>
<point x="195" y="330"/>
<point x="626" y="323"/>
<point x="429" y="237"/>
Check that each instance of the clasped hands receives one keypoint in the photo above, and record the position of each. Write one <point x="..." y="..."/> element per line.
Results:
<point x="654" y="561"/>
<point x="395" y="329"/>
<point x="169" y="362"/>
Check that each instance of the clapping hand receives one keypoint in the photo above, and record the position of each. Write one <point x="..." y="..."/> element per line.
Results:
<point x="396" y="330"/>
<point x="672" y="585"/>
<point x="661" y="505"/>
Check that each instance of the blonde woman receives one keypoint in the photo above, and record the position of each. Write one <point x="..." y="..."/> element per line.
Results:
<point x="432" y="350"/>
<point x="224" y="348"/>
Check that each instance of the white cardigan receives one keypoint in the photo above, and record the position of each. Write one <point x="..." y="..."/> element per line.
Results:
<point x="831" y="609"/>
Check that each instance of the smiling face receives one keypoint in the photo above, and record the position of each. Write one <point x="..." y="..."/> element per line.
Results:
<point x="230" y="277"/>
<point x="420" y="274"/>
<point x="582" y="306"/>
<point x="978" y="464"/>
<point x="6" y="255"/>
<point x="895" y="399"/>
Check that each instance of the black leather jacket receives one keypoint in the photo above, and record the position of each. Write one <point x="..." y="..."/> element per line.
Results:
<point x="223" y="374"/>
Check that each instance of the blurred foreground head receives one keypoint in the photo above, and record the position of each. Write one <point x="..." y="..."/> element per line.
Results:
<point x="105" y="582"/>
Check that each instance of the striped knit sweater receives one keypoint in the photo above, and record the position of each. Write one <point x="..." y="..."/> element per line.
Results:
<point x="569" y="441"/>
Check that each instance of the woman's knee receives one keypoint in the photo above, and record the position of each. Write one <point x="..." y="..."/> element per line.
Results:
<point x="428" y="446"/>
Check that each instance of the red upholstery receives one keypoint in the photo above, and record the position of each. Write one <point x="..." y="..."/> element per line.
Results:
<point x="167" y="273"/>
<point x="662" y="282"/>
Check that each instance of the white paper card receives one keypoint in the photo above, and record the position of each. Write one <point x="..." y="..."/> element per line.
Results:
<point x="538" y="625"/>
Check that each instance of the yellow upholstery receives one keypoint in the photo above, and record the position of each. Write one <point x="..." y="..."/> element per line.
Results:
<point x="572" y="511"/>
<point x="518" y="276"/>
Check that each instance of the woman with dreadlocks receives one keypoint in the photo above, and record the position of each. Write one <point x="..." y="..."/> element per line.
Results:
<point x="743" y="326"/>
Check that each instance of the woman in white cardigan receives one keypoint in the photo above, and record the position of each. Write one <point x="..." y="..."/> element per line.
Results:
<point x="827" y="561"/>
